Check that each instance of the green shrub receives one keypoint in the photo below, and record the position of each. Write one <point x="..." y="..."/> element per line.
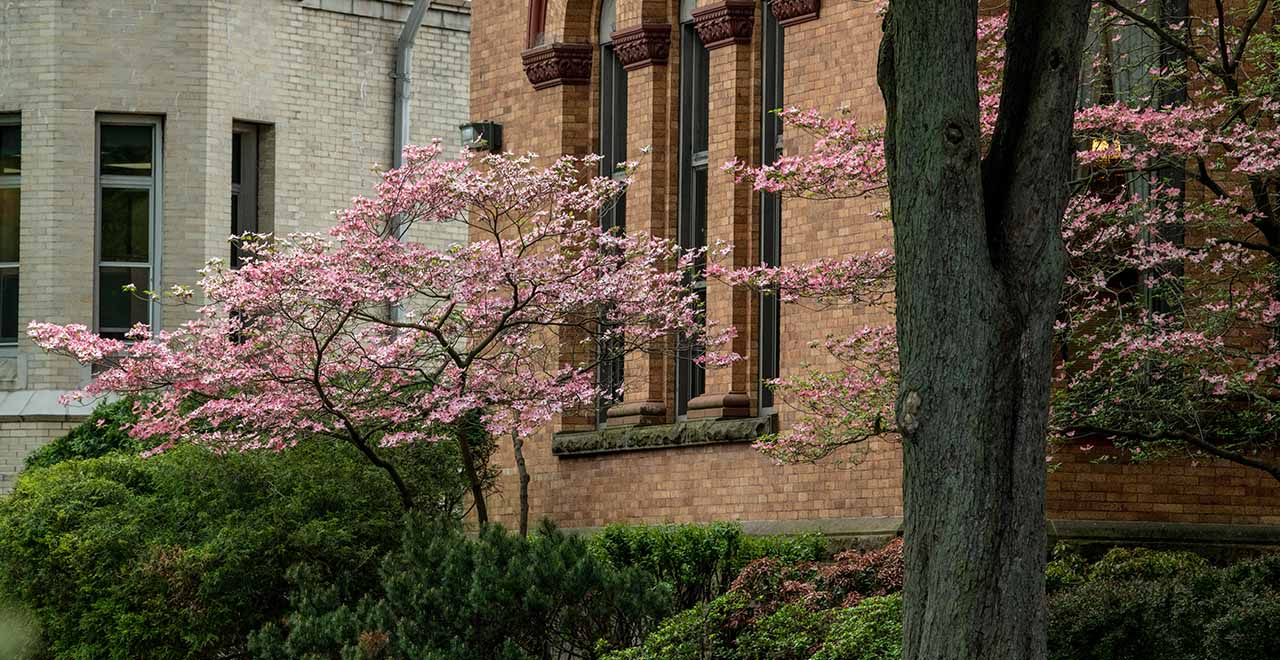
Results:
<point x="183" y="554"/>
<point x="105" y="432"/>
<point x="702" y="632"/>
<point x="700" y="561"/>
<point x="1066" y="568"/>
<point x="870" y="630"/>
<point x="792" y="632"/>
<point x="445" y="597"/>
<point x="1140" y="604"/>
<point x="1246" y="631"/>
<point x="1143" y="563"/>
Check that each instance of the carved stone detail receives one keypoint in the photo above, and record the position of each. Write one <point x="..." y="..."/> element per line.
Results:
<point x="556" y="64"/>
<point x="643" y="45"/>
<point x="682" y="434"/>
<point x="790" y="12"/>
<point x="726" y="22"/>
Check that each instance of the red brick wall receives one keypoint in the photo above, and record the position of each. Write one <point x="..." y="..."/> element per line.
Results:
<point x="830" y="62"/>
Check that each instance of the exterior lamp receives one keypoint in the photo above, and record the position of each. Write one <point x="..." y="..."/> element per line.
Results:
<point x="482" y="136"/>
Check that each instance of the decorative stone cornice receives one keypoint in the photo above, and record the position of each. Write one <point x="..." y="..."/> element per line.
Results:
<point x="555" y="64"/>
<point x="790" y="12"/>
<point x="643" y="45"/>
<point x="681" y="434"/>
<point x="726" y="22"/>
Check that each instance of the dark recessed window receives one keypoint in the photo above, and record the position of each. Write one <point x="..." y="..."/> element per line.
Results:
<point x="613" y="150"/>
<point x="128" y="221"/>
<point x="10" y="222"/>
<point x="244" y="184"/>
<point x="771" y="55"/>
<point x="695" y="87"/>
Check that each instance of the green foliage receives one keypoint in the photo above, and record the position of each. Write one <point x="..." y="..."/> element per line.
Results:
<point x="1143" y="563"/>
<point x="792" y="632"/>
<point x="105" y="432"/>
<point x="445" y="597"/>
<point x="1138" y="604"/>
<point x="870" y="630"/>
<point x="1066" y="568"/>
<point x="183" y="554"/>
<point x="702" y="632"/>
<point x="700" y="561"/>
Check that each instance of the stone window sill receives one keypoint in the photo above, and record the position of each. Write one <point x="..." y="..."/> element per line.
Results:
<point x="692" y="433"/>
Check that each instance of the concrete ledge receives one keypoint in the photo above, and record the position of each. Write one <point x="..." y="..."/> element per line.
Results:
<point x="443" y="14"/>
<point x="1163" y="533"/>
<point x="42" y="406"/>
<point x="681" y="434"/>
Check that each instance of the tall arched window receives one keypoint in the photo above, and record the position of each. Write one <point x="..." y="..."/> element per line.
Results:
<point x="613" y="150"/>
<point x="695" y="87"/>
<point x="771" y="56"/>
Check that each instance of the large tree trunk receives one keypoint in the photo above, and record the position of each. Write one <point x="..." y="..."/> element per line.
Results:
<point x="979" y="266"/>
<point x="522" y="471"/>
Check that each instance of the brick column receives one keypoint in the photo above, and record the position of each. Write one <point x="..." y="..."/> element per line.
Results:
<point x="726" y="28"/>
<point x="643" y="51"/>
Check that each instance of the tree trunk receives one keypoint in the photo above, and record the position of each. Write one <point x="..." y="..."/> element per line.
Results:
<point x="517" y="444"/>
<point x="980" y="264"/>
<point x="473" y="478"/>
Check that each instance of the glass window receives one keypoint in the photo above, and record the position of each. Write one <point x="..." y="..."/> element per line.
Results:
<point x="126" y="225"/>
<point x="128" y="221"/>
<point x="10" y="223"/>
<point x="613" y="150"/>
<point x="695" y="88"/>
<point x="244" y="184"/>
<point x="771" y="55"/>
<point x="10" y="150"/>
<point x="127" y="150"/>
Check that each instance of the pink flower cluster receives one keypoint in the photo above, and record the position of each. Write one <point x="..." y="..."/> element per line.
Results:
<point x="364" y="335"/>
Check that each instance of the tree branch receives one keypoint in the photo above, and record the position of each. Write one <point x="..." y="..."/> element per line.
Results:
<point x="1190" y="438"/>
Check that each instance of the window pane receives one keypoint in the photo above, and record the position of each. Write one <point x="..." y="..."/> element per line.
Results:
<point x="126" y="215"/>
<point x="126" y="150"/>
<point x="10" y="150"/>
<point x="119" y="310"/>
<point x="8" y="305"/>
<point x="9" y="224"/>
<point x="237" y="140"/>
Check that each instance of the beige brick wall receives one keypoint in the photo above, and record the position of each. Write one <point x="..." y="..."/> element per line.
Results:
<point x="18" y="438"/>
<point x="317" y="74"/>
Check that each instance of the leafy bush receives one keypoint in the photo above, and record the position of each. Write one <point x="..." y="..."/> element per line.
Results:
<point x="793" y="632"/>
<point x="852" y="576"/>
<point x="105" y="432"/>
<point x="183" y="554"/>
<point x="702" y="632"/>
<point x="1141" y="604"/>
<point x="847" y="609"/>
<point x="446" y="596"/>
<point x="1065" y="568"/>
<point x="1143" y="563"/>
<point x="700" y="561"/>
<point x="870" y="630"/>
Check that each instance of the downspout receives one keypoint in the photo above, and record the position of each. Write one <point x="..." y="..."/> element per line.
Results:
<point x="400" y="125"/>
<point x="404" y="64"/>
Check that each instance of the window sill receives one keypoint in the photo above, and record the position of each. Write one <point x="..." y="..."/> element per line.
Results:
<point x="693" y="433"/>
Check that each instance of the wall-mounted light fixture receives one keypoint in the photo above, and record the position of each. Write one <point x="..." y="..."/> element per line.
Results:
<point x="482" y="136"/>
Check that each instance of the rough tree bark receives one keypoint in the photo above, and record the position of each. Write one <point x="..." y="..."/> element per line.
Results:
<point x="979" y="266"/>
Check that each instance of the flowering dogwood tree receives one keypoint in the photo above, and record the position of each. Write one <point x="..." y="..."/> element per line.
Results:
<point x="373" y="339"/>
<point x="1169" y="331"/>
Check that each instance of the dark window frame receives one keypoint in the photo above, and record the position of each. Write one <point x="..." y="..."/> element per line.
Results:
<point x="772" y="56"/>
<point x="153" y="184"/>
<point x="10" y="270"/>
<point x="611" y="364"/>
<point x="244" y="191"/>
<point x="695" y="86"/>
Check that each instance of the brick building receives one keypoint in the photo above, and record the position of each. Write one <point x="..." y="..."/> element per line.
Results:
<point x="135" y="135"/>
<point x="692" y="79"/>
